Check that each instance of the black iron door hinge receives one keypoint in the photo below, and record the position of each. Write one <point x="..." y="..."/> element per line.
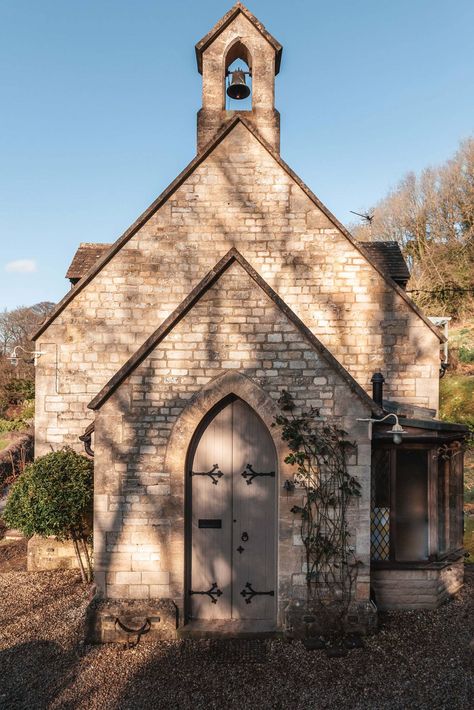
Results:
<point x="215" y="473"/>
<point x="249" y="474"/>
<point x="213" y="593"/>
<point x="249" y="593"/>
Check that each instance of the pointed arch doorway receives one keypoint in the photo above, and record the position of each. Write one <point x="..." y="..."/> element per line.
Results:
<point x="231" y="517"/>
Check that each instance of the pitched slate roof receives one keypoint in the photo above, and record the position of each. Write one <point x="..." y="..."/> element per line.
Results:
<point x="204" y="43"/>
<point x="84" y="258"/>
<point x="388" y="256"/>
<point x="178" y="181"/>
<point x="233" y="255"/>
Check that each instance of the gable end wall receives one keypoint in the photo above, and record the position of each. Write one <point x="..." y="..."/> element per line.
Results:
<point x="141" y="452"/>
<point x="238" y="197"/>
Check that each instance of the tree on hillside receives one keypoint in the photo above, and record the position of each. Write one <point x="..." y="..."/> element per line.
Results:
<point x="431" y="216"/>
<point x="16" y="327"/>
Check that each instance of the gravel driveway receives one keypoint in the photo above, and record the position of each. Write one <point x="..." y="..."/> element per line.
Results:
<point x="417" y="660"/>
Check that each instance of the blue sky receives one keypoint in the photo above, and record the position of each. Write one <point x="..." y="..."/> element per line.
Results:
<point x="99" y="102"/>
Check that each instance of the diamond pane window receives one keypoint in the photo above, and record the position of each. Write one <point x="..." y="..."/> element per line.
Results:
<point x="380" y="513"/>
<point x="380" y="534"/>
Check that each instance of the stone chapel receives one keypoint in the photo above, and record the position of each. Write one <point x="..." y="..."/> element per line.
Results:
<point x="168" y="356"/>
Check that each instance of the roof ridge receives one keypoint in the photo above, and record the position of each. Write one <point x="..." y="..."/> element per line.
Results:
<point x="378" y="241"/>
<point x="325" y="210"/>
<point x="94" y="244"/>
<point x="233" y="255"/>
<point x="135" y="226"/>
<point x="176" y="183"/>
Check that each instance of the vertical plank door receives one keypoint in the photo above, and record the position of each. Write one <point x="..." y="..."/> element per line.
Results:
<point x="211" y="559"/>
<point x="234" y="518"/>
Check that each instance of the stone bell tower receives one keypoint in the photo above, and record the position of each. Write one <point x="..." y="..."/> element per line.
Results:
<point x="238" y="37"/>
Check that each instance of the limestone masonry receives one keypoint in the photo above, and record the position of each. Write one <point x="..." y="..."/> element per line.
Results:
<point x="155" y="335"/>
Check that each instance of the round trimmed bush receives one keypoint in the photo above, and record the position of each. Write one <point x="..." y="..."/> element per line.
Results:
<point x="53" y="496"/>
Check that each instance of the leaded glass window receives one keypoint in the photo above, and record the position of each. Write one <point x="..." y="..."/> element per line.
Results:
<point x="380" y="514"/>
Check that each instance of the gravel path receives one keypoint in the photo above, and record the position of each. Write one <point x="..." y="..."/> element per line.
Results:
<point x="417" y="660"/>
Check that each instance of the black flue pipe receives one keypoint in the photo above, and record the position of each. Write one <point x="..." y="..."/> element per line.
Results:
<point x="377" y="387"/>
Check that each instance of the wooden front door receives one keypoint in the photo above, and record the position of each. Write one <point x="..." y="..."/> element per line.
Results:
<point x="232" y="515"/>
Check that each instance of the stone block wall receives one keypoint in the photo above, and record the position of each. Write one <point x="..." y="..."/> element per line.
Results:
<point x="240" y="196"/>
<point x="234" y="340"/>
<point x="261" y="58"/>
<point x="416" y="588"/>
<point x="49" y="553"/>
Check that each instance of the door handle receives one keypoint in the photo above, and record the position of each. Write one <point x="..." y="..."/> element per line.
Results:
<point x="244" y="537"/>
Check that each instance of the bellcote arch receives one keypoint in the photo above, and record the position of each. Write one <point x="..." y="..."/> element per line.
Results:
<point x="237" y="54"/>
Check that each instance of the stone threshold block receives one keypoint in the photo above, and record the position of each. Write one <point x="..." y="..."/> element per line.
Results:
<point x="303" y="621"/>
<point x="202" y="629"/>
<point x="131" y="620"/>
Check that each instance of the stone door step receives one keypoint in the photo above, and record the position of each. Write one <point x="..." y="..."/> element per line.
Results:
<point x="227" y="629"/>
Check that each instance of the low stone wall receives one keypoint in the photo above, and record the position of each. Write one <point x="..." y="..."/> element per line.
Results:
<point x="49" y="553"/>
<point x="416" y="588"/>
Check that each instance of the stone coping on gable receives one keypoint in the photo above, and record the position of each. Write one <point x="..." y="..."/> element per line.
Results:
<point x="233" y="255"/>
<point x="179" y="180"/>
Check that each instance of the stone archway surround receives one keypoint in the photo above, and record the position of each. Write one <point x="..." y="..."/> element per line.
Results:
<point x="175" y="464"/>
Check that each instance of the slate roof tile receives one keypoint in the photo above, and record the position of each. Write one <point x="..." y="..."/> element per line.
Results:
<point x="389" y="258"/>
<point x="85" y="257"/>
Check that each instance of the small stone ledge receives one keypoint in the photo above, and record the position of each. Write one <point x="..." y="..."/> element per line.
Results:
<point x="48" y="553"/>
<point x="127" y="620"/>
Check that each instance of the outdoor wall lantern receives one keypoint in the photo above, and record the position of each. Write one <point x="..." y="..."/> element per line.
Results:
<point x="397" y="430"/>
<point x="14" y="357"/>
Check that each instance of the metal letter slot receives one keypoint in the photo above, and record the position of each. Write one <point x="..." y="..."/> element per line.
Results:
<point x="203" y="523"/>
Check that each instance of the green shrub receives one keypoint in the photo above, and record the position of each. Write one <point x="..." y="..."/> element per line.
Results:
<point x="21" y="422"/>
<point x="18" y="390"/>
<point x="466" y="355"/>
<point x="28" y="410"/>
<point x="54" y="497"/>
<point x="7" y="425"/>
<point x="457" y="400"/>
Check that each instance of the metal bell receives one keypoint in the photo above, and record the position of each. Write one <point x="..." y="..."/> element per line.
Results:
<point x="237" y="88"/>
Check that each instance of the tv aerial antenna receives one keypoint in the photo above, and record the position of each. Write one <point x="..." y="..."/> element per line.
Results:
<point x="367" y="217"/>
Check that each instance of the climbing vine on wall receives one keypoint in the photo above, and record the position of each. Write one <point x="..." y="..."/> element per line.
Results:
<point x="319" y="452"/>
